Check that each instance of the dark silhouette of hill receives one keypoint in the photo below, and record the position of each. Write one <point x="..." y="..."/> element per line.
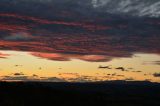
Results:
<point x="114" y="93"/>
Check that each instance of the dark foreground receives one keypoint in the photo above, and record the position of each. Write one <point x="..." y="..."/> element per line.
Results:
<point x="117" y="93"/>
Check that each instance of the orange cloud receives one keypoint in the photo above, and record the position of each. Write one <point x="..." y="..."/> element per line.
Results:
<point x="50" y="56"/>
<point x="2" y="55"/>
<point x="67" y="57"/>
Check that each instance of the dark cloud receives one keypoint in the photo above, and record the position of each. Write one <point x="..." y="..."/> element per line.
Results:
<point x="120" y="68"/>
<point x="34" y="75"/>
<point x="120" y="75"/>
<point x="74" y="27"/>
<point x="137" y="71"/>
<point x="141" y="8"/>
<point x="152" y="62"/>
<point x="157" y="62"/>
<point x="156" y="74"/>
<point x="70" y="74"/>
<point x="15" y="78"/>
<point x="21" y="36"/>
<point x="18" y="65"/>
<point x="18" y="74"/>
<point x="129" y="79"/>
<point x="54" y="79"/>
<point x="104" y="67"/>
<point x="83" y="78"/>
<point x="112" y="43"/>
<point x="19" y="77"/>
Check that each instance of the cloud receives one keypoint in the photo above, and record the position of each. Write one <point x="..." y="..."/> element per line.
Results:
<point x="16" y="78"/>
<point x="68" y="57"/>
<point x="129" y="79"/>
<point x="120" y="68"/>
<point x="19" y="77"/>
<point x="87" y="7"/>
<point x="105" y="67"/>
<point x="137" y="71"/>
<point x="83" y="78"/>
<point x="68" y="75"/>
<point x="54" y="79"/>
<point x="157" y="62"/>
<point x="2" y="55"/>
<point x="39" y="21"/>
<point x="50" y="56"/>
<point x="152" y="62"/>
<point x="20" y="36"/>
<point x="18" y="74"/>
<point x="156" y="74"/>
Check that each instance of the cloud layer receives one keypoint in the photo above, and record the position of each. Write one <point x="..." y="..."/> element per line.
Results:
<point x="78" y="27"/>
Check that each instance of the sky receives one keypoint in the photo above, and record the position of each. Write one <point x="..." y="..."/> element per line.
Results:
<point x="88" y="35"/>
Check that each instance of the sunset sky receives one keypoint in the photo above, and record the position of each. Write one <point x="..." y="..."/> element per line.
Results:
<point x="79" y="40"/>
